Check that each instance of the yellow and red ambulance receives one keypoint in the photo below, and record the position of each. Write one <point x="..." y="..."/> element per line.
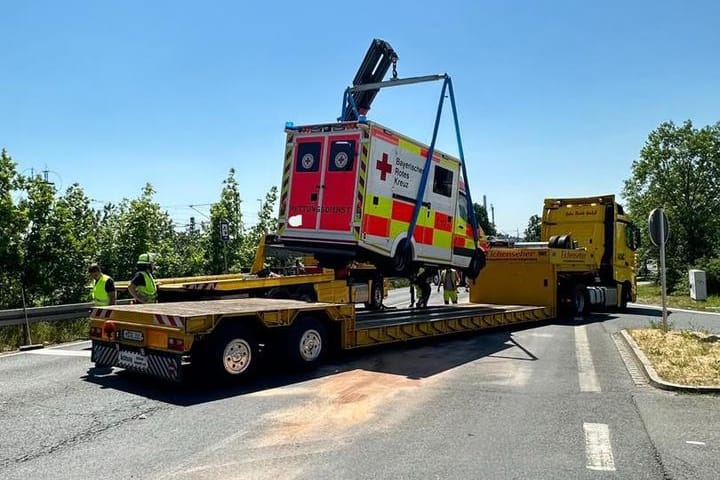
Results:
<point x="349" y="191"/>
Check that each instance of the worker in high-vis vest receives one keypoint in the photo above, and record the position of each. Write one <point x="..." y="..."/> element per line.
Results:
<point x="449" y="280"/>
<point x="103" y="292"/>
<point x="142" y="287"/>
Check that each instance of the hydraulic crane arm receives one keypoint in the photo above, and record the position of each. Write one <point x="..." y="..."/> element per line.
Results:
<point x="378" y="59"/>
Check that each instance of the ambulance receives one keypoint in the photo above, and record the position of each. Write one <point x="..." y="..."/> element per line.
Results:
<point x="349" y="191"/>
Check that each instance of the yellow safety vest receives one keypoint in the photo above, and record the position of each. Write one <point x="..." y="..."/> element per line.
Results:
<point x="149" y="290"/>
<point x="100" y="296"/>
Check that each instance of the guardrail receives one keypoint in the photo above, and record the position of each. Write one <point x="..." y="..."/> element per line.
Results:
<point x="53" y="313"/>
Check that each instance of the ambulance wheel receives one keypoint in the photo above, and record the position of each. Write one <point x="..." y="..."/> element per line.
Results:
<point x="233" y="355"/>
<point x="403" y="258"/>
<point x="306" y="343"/>
<point x="477" y="263"/>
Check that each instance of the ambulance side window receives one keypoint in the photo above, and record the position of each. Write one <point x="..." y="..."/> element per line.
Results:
<point x="462" y="208"/>
<point x="443" y="181"/>
<point x="308" y="157"/>
<point x="342" y="156"/>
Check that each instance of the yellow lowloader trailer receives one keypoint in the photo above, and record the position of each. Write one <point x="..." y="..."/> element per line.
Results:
<point x="586" y="259"/>
<point x="229" y="338"/>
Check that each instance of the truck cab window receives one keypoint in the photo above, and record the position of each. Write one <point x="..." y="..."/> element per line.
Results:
<point x="443" y="181"/>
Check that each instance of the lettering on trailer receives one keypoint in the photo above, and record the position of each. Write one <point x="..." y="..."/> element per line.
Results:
<point x="512" y="254"/>
<point x="572" y="255"/>
<point x="384" y="166"/>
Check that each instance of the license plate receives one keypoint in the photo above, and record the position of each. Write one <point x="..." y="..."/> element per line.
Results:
<point x="133" y="335"/>
<point x="134" y="360"/>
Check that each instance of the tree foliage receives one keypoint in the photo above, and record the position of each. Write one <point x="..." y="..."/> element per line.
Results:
<point x="532" y="232"/>
<point x="482" y="217"/>
<point x="679" y="170"/>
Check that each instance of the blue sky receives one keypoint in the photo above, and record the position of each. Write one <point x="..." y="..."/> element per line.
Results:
<point x="554" y="98"/>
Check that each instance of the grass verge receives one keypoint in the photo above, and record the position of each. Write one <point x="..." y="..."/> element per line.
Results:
<point x="12" y="337"/>
<point x="651" y="295"/>
<point x="683" y="357"/>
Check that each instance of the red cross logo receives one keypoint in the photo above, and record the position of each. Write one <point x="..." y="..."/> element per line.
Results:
<point x="384" y="166"/>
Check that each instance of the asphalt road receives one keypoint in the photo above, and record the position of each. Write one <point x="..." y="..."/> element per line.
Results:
<point x="553" y="401"/>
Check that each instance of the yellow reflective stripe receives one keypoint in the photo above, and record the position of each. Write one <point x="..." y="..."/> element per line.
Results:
<point x="442" y="239"/>
<point x="383" y="208"/>
<point x="409" y="146"/>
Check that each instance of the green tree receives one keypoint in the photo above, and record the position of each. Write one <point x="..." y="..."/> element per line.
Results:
<point x="267" y="223"/>
<point x="532" y="232"/>
<point x="679" y="170"/>
<point x="13" y="225"/>
<point x="219" y="253"/>
<point x="133" y="227"/>
<point x="482" y="217"/>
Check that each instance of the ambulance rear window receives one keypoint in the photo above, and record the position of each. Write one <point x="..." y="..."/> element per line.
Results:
<point x="443" y="181"/>
<point x="342" y="156"/>
<point x="308" y="157"/>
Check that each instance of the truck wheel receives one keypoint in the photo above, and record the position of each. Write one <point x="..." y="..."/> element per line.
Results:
<point x="625" y="293"/>
<point x="581" y="302"/>
<point x="234" y="353"/>
<point x="403" y="258"/>
<point x="306" y="343"/>
<point x="377" y="295"/>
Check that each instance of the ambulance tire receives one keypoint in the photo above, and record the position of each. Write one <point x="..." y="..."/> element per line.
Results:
<point x="233" y="354"/>
<point x="402" y="259"/>
<point x="477" y="263"/>
<point x="307" y="343"/>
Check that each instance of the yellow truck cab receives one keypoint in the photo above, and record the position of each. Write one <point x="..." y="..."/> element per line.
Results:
<point x="585" y="259"/>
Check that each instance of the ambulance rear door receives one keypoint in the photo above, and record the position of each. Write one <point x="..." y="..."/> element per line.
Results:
<point x="339" y="183"/>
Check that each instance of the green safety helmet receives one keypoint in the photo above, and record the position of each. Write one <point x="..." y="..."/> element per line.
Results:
<point x="144" y="259"/>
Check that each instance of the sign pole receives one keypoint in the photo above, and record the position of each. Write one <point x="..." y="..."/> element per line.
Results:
<point x="662" y="272"/>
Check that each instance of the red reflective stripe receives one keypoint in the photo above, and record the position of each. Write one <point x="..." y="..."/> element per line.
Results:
<point x="443" y="222"/>
<point x="374" y="225"/>
<point x="385" y="136"/>
<point x="458" y="241"/>
<point x="402" y="211"/>
<point x="423" y="235"/>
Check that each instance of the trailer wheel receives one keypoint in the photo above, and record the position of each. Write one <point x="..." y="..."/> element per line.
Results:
<point x="581" y="301"/>
<point x="306" y="343"/>
<point x="234" y="353"/>
<point x="403" y="257"/>
<point x="377" y="295"/>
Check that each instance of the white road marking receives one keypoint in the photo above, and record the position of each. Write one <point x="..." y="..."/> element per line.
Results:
<point x="586" y="369"/>
<point x="693" y="442"/>
<point x="61" y="353"/>
<point x="598" y="450"/>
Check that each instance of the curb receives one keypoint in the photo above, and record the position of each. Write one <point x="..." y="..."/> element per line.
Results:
<point x="655" y="379"/>
<point x="35" y="346"/>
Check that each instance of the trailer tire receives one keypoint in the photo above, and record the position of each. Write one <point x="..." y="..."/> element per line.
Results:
<point x="403" y="258"/>
<point x="233" y="354"/>
<point x="581" y="300"/>
<point x="306" y="343"/>
<point x="377" y="295"/>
